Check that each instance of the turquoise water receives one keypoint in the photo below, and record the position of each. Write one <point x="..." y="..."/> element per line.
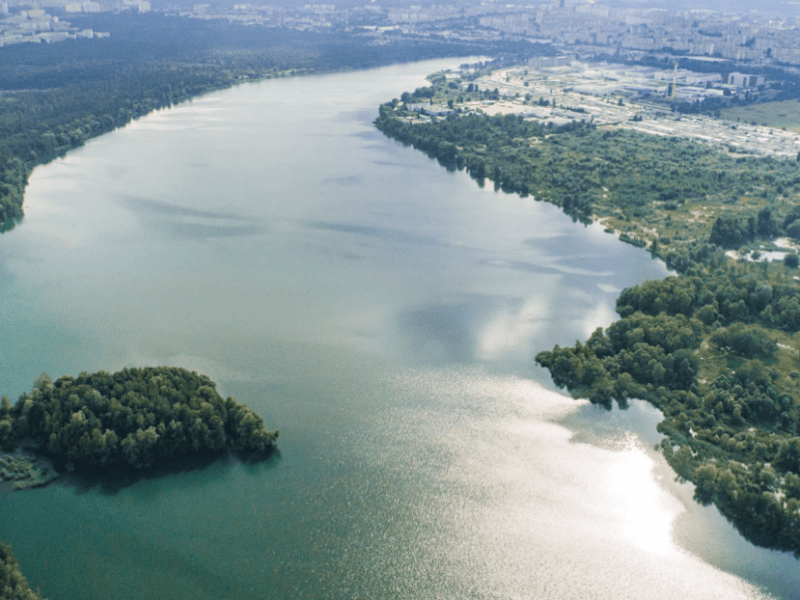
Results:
<point x="383" y="314"/>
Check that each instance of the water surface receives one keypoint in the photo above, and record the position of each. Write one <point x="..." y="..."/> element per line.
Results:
<point x="383" y="314"/>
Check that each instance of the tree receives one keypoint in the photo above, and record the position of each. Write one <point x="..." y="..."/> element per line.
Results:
<point x="12" y="583"/>
<point x="748" y="341"/>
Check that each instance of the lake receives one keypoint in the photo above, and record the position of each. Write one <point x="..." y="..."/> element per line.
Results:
<point x="381" y="312"/>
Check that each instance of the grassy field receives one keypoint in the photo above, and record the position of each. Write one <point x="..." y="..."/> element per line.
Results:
<point x="785" y="114"/>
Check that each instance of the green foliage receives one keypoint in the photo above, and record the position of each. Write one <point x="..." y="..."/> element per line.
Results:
<point x="134" y="418"/>
<point x="717" y="296"/>
<point x="747" y="341"/>
<point x="12" y="583"/>
<point x="653" y="353"/>
<point x="731" y="232"/>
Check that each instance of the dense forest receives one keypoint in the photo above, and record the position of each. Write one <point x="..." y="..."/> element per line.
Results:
<point x="12" y="583"/>
<point x="716" y="348"/>
<point x="133" y="418"/>
<point x="55" y="97"/>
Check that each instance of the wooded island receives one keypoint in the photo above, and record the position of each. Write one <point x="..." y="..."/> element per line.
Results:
<point x="132" y="419"/>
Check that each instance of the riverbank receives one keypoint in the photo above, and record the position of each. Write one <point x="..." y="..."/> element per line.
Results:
<point x="713" y="347"/>
<point x="52" y="101"/>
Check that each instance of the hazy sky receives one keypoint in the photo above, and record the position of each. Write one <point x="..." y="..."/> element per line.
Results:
<point x="788" y="7"/>
<point x="737" y="6"/>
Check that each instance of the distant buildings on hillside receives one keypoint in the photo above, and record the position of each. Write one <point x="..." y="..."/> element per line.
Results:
<point x="38" y="26"/>
<point x="580" y="24"/>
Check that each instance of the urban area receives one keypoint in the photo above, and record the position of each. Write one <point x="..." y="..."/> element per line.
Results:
<point x="562" y="89"/>
<point x="614" y="66"/>
<point x="586" y="26"/>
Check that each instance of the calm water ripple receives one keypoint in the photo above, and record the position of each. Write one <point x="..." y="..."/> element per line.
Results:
<point x="384" y="314"/>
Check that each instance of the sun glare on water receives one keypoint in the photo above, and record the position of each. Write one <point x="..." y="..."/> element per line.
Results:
<point x="540" y="513"/>
<point x="649" y="511"/>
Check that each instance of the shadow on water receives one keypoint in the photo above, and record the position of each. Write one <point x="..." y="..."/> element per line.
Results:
<point x="200" y="231"/>
<point x="382" y="233"/>
<point x="112" y="481"/>
<point x="608" y="428"/>
<point x="186" y="222"/>
<point x="150" y="206"/>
